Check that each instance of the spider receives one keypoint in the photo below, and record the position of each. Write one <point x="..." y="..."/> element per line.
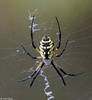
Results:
<point x="46" y="50"/>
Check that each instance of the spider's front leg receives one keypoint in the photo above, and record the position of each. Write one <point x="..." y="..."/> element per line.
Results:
<point x="59" y="43"/>
<point x="32" y="36"/>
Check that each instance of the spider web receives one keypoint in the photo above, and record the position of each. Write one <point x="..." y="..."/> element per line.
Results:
<point x="75" y="19"/>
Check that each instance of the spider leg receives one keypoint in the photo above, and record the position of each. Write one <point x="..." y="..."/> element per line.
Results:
<point x="68" y="73"/>
<point x="59" y="36"/>
<point x="62" y="50"/>
<point x="35" y="77"/>
<point x="25" y="78"/>
<point x="30" y="54"/>
<point x="32" y="36"/>
<point x="71" y="74"/>
<point x="39" y="69"/>
<point x="30" y="75"/>
<point x="54" y="65"/>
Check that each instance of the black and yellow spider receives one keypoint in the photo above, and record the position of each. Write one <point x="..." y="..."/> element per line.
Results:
<point x="46" y="50"/>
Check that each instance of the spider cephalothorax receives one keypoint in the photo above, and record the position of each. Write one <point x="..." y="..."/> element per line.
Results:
<point x="46" y="50"/>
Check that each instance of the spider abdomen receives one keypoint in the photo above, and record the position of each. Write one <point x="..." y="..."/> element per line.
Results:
<point x="46" y="47"/>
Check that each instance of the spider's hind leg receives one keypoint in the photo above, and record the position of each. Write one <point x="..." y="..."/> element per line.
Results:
<point x="68" y="73"/>
<point x="25" y="78"/>
<point x="71" y="74"/>
<point x="38" y="69"/>
<point x="58" y="72"/>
